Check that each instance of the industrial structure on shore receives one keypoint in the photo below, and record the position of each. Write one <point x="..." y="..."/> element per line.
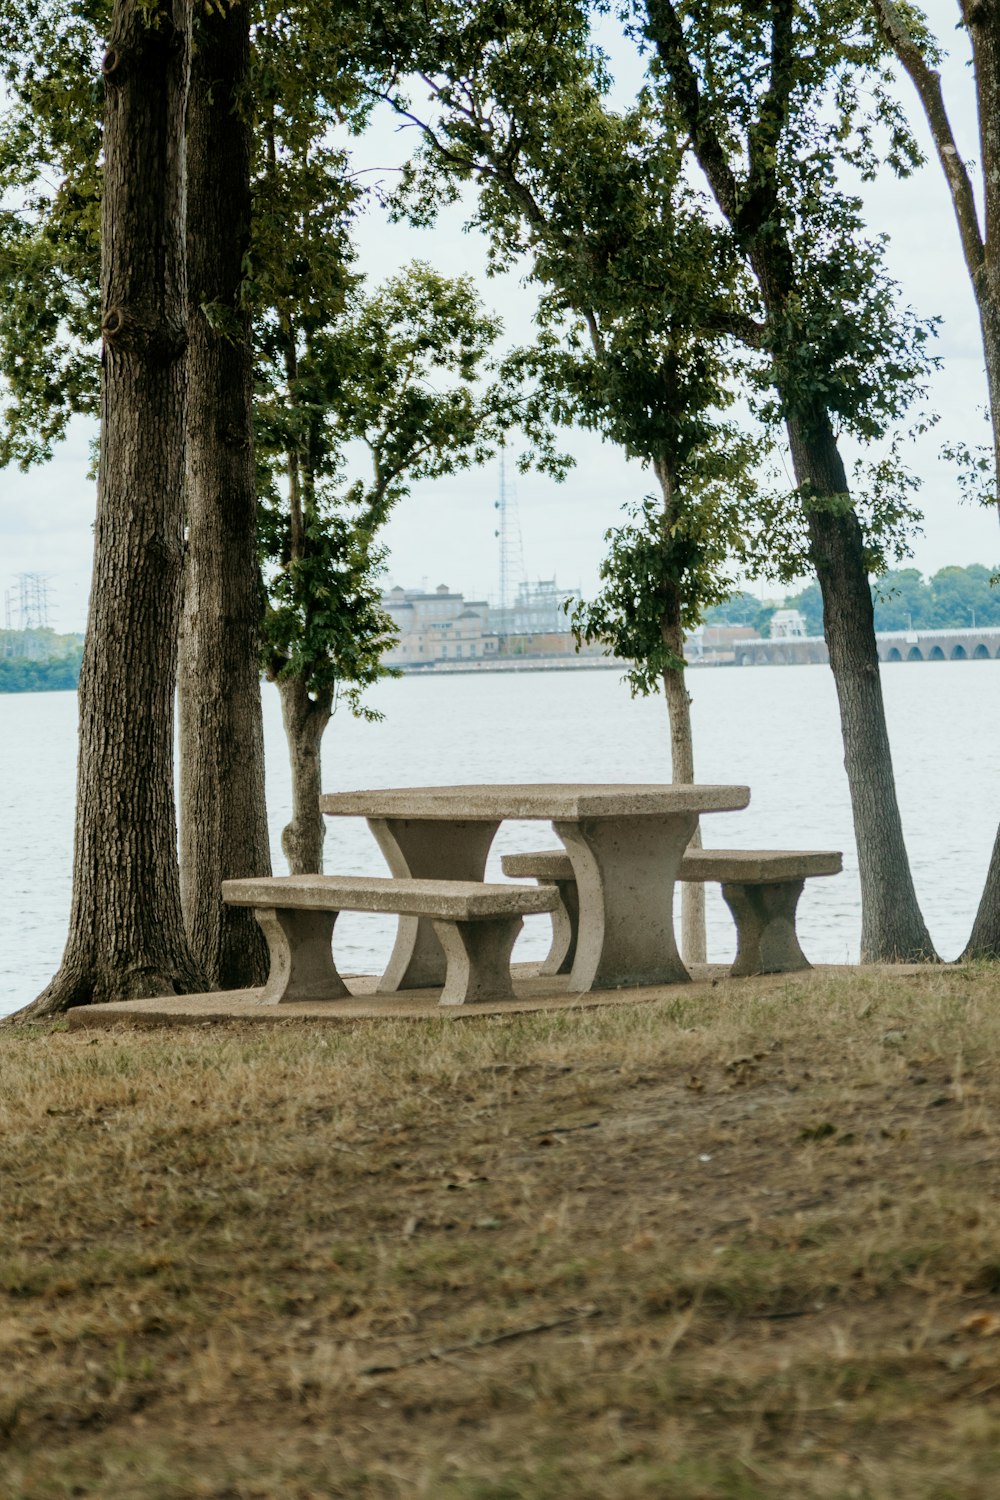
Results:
<point x="440" y="629"/>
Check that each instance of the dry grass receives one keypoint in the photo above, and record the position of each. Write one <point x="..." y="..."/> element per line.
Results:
<point x="674" y="1250"/>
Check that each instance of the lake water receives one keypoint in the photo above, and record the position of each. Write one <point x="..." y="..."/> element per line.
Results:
<point x="774" y="728"/>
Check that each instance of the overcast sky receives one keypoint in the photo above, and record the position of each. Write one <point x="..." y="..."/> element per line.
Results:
<point x="445" y="532"/>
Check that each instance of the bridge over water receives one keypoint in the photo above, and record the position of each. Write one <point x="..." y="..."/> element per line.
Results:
<point x="893" y="646"/>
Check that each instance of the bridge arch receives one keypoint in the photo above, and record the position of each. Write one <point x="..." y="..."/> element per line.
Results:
<point x="914" y="654"/>
<point x="935" y="654"/>
<point x="981" y="653"/>
<point x="959" y="653"/>
<point x="894" y="654"/>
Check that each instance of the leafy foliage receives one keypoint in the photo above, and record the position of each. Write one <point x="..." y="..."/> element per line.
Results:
<point x="396" y="372"/>
<point x="396" y="375"/>
<point x="775" y="99"/>
<point x="638" y="290"/>
<point x="50" y="176"/>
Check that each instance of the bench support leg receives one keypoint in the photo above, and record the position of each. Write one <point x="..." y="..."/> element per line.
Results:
<point x="431" y="849"/>
<point x="565" y="927"/>
<point x="302" y="966"/>
<point x="765" y="927"/>
<point x="478" y="955"/>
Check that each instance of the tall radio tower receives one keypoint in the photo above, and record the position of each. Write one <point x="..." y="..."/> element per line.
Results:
<point x="511" y="547"/>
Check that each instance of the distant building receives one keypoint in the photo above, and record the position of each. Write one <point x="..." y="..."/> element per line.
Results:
<point x="444" y="627"/>
<point x="440" y="626"/>
<point x="788" y="625"/>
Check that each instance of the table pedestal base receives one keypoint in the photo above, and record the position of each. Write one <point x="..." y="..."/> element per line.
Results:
<point x="427" y="849"/>
<point x="625" y="871"/>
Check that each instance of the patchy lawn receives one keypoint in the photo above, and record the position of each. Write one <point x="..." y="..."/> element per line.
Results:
<point x="671" y="1250"/>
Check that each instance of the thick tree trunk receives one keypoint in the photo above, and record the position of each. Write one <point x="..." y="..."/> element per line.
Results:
<point x="222" y="808"/>
<point x="305" y="720"/>
<point x="126" y="934"/>
<point x="984" y="940"/>
<point x="892" y="928"/>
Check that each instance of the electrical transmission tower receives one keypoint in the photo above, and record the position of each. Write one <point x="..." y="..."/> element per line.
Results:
<point x="511" y="546"/>
<point x="33" y="589"/>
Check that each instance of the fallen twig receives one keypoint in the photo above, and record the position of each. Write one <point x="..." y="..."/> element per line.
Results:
<point x="430" y="1355"/>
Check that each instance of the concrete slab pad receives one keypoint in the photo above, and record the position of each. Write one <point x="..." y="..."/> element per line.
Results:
<point x="534" y="993"/>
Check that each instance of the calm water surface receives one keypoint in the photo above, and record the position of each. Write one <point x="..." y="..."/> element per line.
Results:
<point x="774" y="728"/>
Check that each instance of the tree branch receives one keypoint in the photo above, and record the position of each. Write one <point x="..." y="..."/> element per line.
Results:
<point x="667" y="35"/>
<point x="927" y="82"/>
<point x="764" y="134"/>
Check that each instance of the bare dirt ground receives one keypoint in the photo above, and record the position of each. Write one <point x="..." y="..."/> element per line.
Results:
<point x="724" y="1246"/>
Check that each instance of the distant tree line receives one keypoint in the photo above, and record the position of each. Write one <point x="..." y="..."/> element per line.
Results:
<point x="57" y="674"/>
<point x="952" y="599"/>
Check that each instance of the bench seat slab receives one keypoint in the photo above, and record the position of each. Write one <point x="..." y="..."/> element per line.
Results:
<point x="758" y="866"/>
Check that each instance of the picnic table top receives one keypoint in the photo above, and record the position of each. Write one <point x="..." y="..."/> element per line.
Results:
<point x="569" y="801"/>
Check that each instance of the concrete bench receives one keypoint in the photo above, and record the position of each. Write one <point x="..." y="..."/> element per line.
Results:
<point x="476" y="925"/>
<point x="760" y="887"/>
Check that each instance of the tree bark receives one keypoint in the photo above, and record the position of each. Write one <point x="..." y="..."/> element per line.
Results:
<point x="305" y="720"/>
<point x="892" y="927"/>
<point x="126" y="932"/>
<point x="984" y="940"/>
<point x="222" y="806"/>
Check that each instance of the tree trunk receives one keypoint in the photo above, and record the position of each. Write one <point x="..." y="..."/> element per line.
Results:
<point x="694" y="948"/>
<point x="892" y="928"/>
<point x="693" y="942"/>
<point x="126" y="934"/>
<point x="222" y="808"/>
<point x="984" y="940"/>
<point x="305" y="721"/>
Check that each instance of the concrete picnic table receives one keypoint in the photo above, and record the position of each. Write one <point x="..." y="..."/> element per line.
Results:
<point x="625" y="841"/>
